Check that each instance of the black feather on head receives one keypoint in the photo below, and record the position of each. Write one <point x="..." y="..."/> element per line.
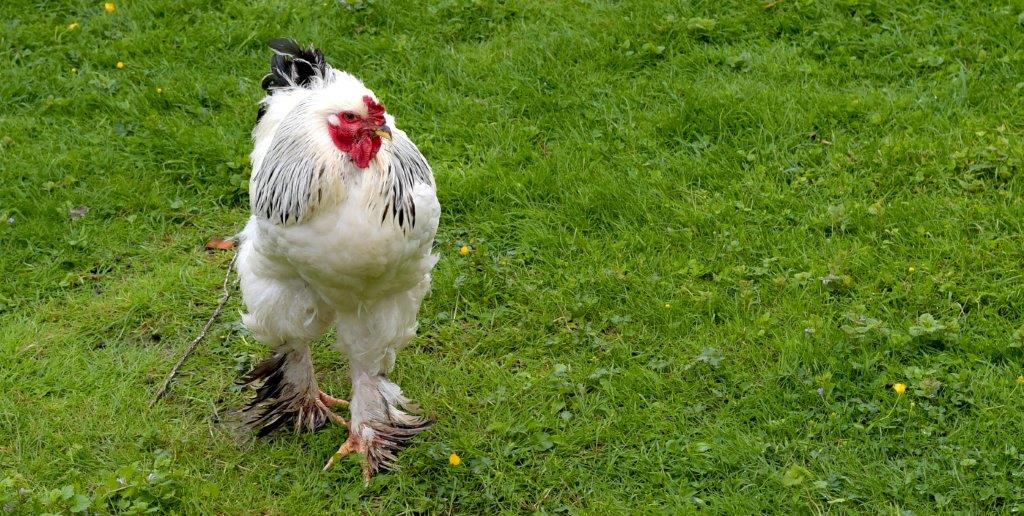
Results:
<point x="291" y="65"/>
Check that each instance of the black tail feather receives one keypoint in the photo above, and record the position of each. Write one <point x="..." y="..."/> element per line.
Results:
<point x="291" y="65"/>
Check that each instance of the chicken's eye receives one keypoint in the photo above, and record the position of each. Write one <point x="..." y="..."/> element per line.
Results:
<point x="349" y="117"/>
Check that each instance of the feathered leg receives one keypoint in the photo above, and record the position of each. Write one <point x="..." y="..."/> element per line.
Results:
<point x="285" y="314"/>
<point x="384" y="421"/>
<point x="287" y="395"/>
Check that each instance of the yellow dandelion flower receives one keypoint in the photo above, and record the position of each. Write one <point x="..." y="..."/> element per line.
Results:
<point x="1020" y="379"/>
<point x="911" y="269"/>
<point x="74" y="70"/>
<point x="668" y="305"/>
<point x="454" y="459"/>
<point x="900" y="388"/>
<point x="119" y="65"/>
<point x="159" y="90"/>
<point x="73" y="26"/>
<point x="109" y="7"/>
<point x="464" y="250"/>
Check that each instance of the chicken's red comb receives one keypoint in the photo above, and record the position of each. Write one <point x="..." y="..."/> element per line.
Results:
<point x="374" y="110"/>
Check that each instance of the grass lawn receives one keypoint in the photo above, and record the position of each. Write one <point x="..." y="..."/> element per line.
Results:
<point x="709" y="242"/>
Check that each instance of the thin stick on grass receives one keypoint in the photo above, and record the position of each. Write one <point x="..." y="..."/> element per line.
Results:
<point x="199" y="338"/>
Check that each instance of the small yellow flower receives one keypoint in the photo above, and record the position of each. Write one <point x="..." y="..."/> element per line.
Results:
<point x="120" y="65"/>
<point x="73" y="26"/>
<point x="454" y="459"/>
<point x="668" y="305"/>
<point x="464" y="250"/>
<point x="109" y="7"/>
<point x="74" y="70"/>
<point x="900" y="388"/>
<point x="159" y="90"/>
<point x="1020" y="379"/>
<point x="911" y="269"/>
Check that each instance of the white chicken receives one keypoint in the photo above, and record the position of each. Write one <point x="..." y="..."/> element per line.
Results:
<point x="344" y="213"/>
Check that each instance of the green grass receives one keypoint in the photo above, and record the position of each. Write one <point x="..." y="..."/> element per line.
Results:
<point x="685" y="218"/>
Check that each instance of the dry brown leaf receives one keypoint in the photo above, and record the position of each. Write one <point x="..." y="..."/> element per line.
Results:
<point x="219" y="244"/>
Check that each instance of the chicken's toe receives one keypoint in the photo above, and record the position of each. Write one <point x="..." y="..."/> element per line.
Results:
<point x="352" y="444"/>
<point x="331" y="401"/>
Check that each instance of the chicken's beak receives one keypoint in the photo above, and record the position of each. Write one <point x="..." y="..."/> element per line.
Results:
<point x="383" y="131"/>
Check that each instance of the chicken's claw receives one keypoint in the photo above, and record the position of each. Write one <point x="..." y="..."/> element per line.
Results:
<point x="334" y="417"/>
<point x="331" y="401"/>
<point x="352" y="445"/>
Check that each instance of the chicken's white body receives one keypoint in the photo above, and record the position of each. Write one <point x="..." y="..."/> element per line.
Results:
<point x="330" y="243"/>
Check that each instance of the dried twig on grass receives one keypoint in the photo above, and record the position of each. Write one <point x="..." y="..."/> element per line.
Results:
<point x="199" y="338"/>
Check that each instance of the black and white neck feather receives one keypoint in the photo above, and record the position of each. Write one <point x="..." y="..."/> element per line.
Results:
<point x="297" y="168"/>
